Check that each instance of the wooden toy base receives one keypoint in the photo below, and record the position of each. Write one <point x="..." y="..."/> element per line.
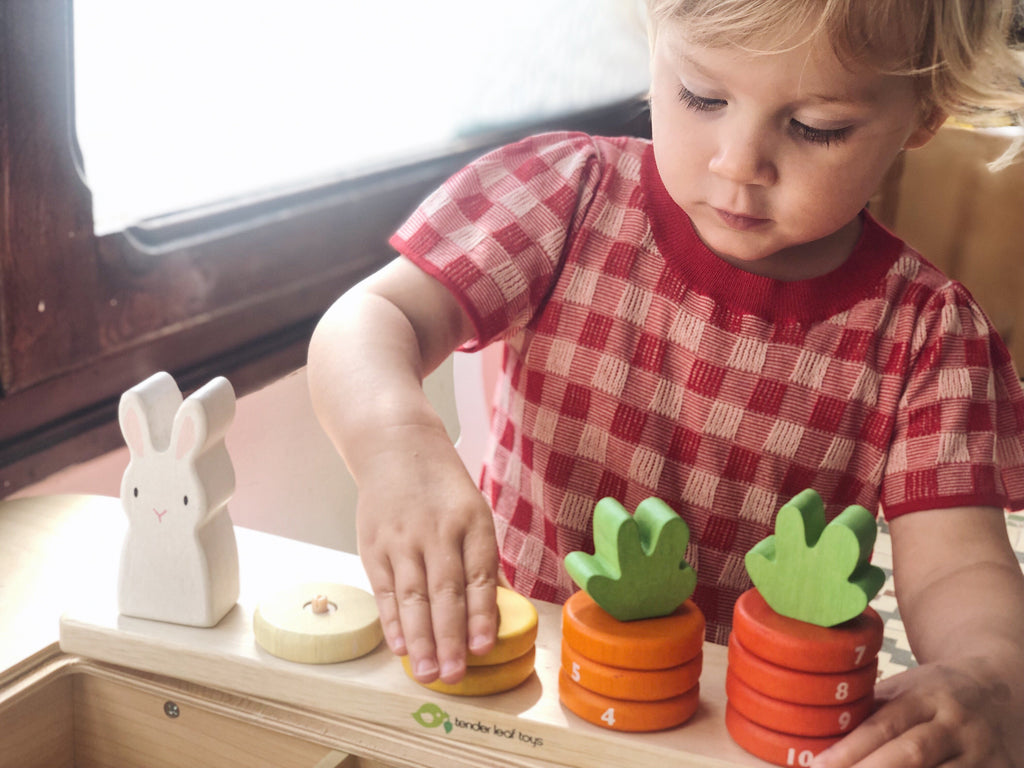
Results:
<point x="366" y="706"/>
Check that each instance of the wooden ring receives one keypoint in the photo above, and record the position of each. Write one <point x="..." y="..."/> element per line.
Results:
<point x="659" y="643"/>
<point x="286" y="626"/>
<point x="622" y="715"/>
<point x="802" y="646"/>
<point x="797" y="719"/>
<point x="486" y="680"/>
<point x="517" y="630"/>
<point x="778" y="748"/>
<point x="823" y="688"/>
<point x="630" y="684"/>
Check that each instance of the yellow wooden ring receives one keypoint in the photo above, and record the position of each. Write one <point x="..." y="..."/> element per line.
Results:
<point x="483" y="681"/>
<point x="517" y="630"/>
<point x="286" y="626"/>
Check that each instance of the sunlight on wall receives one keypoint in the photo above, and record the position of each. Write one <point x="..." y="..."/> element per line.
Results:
<point x="183" y="103"/>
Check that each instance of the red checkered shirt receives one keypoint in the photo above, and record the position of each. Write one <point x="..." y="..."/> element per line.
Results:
<point x="637" y="363"/>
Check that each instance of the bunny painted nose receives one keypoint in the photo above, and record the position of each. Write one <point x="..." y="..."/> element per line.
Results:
<point x="159" y="515"/>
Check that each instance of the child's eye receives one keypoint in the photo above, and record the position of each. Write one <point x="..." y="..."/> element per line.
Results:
<point x="698" y="103"/>
<point x="819" y="135"/>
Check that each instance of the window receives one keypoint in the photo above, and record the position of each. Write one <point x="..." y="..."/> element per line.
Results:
<point x="185" y="103"/>
<point x="98" y="291"/>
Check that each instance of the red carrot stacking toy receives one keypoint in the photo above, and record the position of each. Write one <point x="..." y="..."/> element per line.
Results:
<point x="804" y="645"/>
<point x="632" y="638"/>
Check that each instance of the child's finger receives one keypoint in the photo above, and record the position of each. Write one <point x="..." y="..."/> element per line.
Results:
<point x="910" y="730"/>
<point x="414" y="614"/>
<point x="482" y="574"/>
<point x="448" y="616"/>
<point x="875" y="744"/>
<point x="446" y="581"/>
<point x="382" y="582"/>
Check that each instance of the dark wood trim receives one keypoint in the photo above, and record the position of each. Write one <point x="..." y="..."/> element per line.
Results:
<point x="229" y="290"/>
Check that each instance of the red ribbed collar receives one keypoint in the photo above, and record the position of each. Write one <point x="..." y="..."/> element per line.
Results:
<point x="815" y="299"/>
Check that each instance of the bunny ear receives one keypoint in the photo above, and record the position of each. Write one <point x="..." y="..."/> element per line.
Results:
<point x="145" y="413"/>
<point x="203" y="418"/>
<point x="187" y="437"/>
<point x="131" y="428"/>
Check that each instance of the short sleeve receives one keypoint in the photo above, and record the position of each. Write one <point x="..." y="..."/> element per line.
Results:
<point x="959" y="431"/>
<point x="496" y="231"/>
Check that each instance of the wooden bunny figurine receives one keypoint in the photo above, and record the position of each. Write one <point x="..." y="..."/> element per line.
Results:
<point x="179" y="562"/>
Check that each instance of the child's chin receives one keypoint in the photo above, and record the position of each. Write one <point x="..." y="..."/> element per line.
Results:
<point x="744" y="255"/>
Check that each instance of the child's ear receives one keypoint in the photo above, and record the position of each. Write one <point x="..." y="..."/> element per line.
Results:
<point x="927" y="128"/>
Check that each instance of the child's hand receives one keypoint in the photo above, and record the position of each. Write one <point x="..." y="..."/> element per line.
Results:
<point x="427" y="542"/>
<point x="932" y="715"/>
<point x="961" y="596"/>
<point x="426" y="535"/>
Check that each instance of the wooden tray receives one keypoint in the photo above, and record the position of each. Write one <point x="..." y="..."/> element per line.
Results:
<point x="374" y="699"/>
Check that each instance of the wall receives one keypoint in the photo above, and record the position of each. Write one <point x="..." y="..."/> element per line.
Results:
<point x="289" y="479"/>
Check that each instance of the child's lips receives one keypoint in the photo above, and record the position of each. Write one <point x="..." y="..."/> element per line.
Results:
<point x="739" y="221"/>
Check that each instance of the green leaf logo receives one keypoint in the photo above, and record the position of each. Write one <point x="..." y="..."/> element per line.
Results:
<point x="431" y="716"/>
<point x="637" y="570"/>
<point x="815" y="572"/>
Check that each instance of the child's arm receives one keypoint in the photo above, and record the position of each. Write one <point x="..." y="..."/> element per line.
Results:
<point x="425" y="532"/>
<point x="961" y="596"/>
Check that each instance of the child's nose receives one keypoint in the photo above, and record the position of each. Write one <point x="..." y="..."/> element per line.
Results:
<point x="743" y="156"/>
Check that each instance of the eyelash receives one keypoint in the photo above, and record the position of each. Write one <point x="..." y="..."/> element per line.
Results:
<point x="822" y="136"/>
<point x="698" y="103"/>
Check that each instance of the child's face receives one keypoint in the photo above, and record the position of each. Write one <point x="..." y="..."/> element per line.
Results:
<point x="773" y="155"/>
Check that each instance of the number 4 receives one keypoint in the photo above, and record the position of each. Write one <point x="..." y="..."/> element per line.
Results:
<point x="609" y="716"/>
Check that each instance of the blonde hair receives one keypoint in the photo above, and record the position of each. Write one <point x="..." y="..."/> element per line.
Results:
<point x="960" y="52"/>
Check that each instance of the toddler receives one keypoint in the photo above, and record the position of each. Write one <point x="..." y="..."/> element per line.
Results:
<point x="712" y="318"/>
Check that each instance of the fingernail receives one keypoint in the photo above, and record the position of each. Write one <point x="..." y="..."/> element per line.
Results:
<point x="478" y="642"/>
<point x="449" y="669"/>
<point x="425" y="668"/>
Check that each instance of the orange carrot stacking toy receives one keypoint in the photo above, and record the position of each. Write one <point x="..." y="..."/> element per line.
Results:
<point x="804" y="645"/>
<point x="632" y="638"/>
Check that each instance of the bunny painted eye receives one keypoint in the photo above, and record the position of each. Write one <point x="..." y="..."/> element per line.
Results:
<point x="186" y="501"/>
<point x="135" y="492"/>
